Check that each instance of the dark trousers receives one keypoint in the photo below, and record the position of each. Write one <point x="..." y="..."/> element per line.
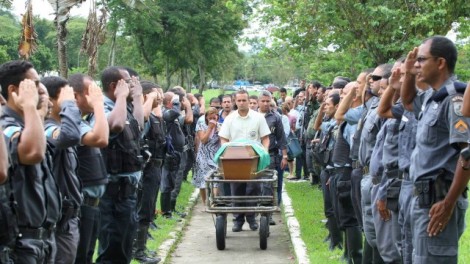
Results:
<point x="240" y="189"/>
<point x="345" y="212"/>
<point x="118" y="226"/>
<point x="34" y="251"/>
<point x="356" y="177"/>
<point x="67" y="237"/>
<point x="301" y="163"/>
<point x="327" y="203"/>
<point x="148" y="191"/>
<point x="89" y="227"/>
<point x="179" y="176"/>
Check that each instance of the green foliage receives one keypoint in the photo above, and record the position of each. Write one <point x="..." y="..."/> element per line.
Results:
<point x="308" y="206"/>
<point x="462" y="68"/>
<point x="370" y="32"/>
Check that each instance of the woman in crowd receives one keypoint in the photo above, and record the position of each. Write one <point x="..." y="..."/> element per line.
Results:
<point x="207" y="133"/>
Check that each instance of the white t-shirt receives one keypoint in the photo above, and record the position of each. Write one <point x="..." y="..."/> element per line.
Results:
<point x="253" y="126"/>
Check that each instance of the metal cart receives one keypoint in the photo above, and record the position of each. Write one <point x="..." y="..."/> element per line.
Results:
<point x="220" y="205"/>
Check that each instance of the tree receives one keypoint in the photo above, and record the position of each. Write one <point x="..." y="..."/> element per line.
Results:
<point x="371" y="31"/>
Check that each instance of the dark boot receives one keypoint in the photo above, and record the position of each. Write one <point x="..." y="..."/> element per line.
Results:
<point x="173" y="209"/>
<point x="140" y="246"/>
<point x="336" y="237"/>
<point x="165" y="204"/>
<point x="354" y="244"/>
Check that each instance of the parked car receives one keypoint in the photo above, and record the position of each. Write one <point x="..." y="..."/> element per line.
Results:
<point x="272" y="88"/>
<point x="230" y="88"/>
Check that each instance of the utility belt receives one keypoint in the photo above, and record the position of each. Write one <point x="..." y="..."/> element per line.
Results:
<point x="430" y="190"/>
<point x="90" y="201"/>
<point x="341" y="170"/>
<point x="40" y="233"/>
<point x="393" y="194"/>
<point x="393" y="173"/>
<point x="121" y="189"/>
<point x="69" y="211"/>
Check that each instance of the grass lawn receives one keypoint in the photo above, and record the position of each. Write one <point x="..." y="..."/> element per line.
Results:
<point x="307" y="201"/>
<point x="166" y="226"/>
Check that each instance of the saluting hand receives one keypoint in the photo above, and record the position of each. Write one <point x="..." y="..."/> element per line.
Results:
<point x="66" y="94"/>
<point x="135" y="87"/>
<point x="394" y="80"/>
<point x="27" y="95"/>
<point x="95" y="95"/>
<point x="410" y="61"/>
<point x="122" y="89"/>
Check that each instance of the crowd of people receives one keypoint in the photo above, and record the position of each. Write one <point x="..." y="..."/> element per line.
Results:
<point x="391" y="153"/>
<point x="82" y="165"/>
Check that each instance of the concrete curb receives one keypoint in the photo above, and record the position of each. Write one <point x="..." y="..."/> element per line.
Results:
<point x="294" y="229"/>
<point x="168" y="245"/>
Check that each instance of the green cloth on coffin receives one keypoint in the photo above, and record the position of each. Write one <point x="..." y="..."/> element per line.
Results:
<point x="264" y="158"/>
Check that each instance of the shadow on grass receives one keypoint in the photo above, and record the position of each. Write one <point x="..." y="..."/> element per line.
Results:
<point x="307" y="201"/>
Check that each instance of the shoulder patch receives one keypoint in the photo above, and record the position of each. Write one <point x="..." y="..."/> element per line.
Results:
<point x="457" y="98"/>
<point x="11" y="130"/>
<point x="457" y="107"/>
<point x="460" y="126"/>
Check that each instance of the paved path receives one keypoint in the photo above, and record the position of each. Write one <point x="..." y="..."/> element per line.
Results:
<point x="198" y="243"/>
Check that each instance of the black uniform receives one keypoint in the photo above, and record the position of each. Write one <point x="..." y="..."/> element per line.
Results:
<point x="37" y="197"/>
<point x="118" y="205"/>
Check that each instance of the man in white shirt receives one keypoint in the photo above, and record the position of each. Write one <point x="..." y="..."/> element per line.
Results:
<point x="244" y="124"/>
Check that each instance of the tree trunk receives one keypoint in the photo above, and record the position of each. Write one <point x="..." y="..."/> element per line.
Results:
<point x="92" y="63"/>
<point x="202" y="76"/>
<point x="112" y="51"/>
<point x="62" y="50"/>
<point x="168" y="74"/>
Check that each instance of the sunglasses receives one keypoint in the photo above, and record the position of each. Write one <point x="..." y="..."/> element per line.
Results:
<point x="217" y="107"/>
<point x="375" y="77"/>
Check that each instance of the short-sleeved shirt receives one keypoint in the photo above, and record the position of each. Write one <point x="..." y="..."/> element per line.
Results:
<point x="441" y="127"/>
<point x="371" y="126"/>
<point x="253" y="126"/>
<point x="133" y="176"/>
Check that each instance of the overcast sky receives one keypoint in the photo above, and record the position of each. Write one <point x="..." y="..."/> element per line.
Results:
<point x="44" y="9"/>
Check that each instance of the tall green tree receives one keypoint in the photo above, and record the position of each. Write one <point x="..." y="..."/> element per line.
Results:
<point x="369" y="31"/>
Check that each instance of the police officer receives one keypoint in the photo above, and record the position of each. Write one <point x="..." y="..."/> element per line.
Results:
<point x="340" y="183"/>
<point x="94" y="131"/>
<point x="277" y="140"/>
<point x="326" y="123"/>
<point x="154" y="135"/>
<point x="186" y="112"/>
<point x="63" y="134"/>
<point x="385" y="193"/>
<point x="311" y="112"/>
<point x="175" y="142"/>
<point x="8" y="223"/>
<point x="370" y="127"/>
<point x="35" y="190"/>
<point x="123" y="107"/>
<point x="440" y="179"/>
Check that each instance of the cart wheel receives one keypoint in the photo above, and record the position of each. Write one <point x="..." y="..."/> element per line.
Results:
<point x="263" y="232"/>
<point x="220" y="231"/>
